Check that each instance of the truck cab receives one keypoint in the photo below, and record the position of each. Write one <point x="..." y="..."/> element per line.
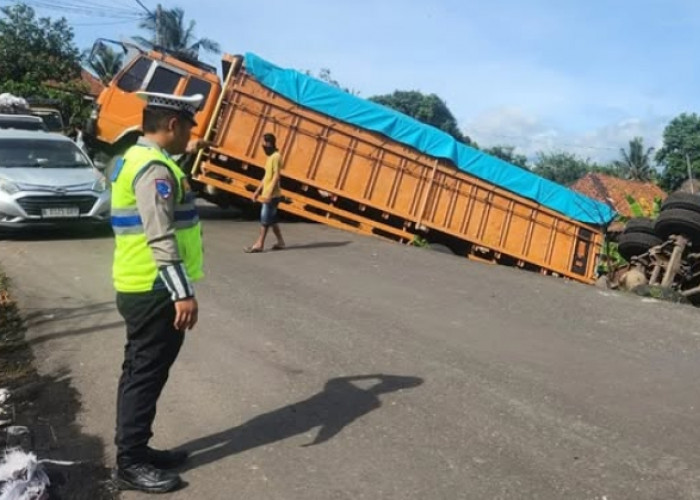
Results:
<point x="115" y="122"/>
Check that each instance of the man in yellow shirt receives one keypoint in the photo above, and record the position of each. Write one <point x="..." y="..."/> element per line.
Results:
<point x="269" y="193"/>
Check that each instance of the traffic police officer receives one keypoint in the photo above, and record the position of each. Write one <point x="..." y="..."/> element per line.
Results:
<point x="158" y="255"/>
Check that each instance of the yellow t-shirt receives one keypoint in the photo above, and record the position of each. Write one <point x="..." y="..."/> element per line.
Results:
<point x="273" y="166"/>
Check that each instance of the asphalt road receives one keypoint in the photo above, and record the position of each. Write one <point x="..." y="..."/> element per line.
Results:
<point x="350" y="368"/>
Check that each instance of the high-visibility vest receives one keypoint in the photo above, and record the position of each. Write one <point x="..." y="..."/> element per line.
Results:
<point x="135" y="269"/>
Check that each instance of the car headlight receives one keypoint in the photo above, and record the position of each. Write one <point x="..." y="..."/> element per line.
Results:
<point x="100" y="185"/>
<point x="8" y="187"/>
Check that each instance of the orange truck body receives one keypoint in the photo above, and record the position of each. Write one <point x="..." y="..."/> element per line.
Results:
<point x="351" y="178"/>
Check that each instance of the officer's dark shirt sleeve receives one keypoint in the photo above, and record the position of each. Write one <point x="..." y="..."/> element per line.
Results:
<point x="157" y="210"/>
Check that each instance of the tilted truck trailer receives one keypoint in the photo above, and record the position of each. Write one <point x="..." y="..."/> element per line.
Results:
<point x="359" y="166"/>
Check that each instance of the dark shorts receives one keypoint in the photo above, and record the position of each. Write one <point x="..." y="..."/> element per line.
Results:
<point x="268" y="214"/>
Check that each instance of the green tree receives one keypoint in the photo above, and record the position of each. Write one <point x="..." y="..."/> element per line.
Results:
<point x="168" y="29"/>
<point x="38" y="59"/>
<point x="34" y="51"/>
<point x="105" y="63"/>
<point x="636" y="162"/>
<point x="507" y="153"/>
<point x="427" y="108"/>
<point x="681" y="145"/>
<point x="560" y="167"/>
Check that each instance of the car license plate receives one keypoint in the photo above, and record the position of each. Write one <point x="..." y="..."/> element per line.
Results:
<point x="60" y="213"/>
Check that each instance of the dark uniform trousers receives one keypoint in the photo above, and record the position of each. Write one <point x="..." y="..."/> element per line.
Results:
<point x="152" y="345"/>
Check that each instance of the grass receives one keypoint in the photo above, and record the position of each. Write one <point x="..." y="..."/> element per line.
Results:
<point x="15" y="356"/>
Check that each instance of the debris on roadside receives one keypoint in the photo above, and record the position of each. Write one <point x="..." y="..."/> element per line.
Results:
<point x="661" y="255"/>
<point x="22" y="477"/>
<point x="11" y="104"/>
<point x="38" y="425"/>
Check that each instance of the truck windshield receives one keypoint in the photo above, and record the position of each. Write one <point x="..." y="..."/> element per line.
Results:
<point x="133" y="78"/>
<point x="45" y="153"/>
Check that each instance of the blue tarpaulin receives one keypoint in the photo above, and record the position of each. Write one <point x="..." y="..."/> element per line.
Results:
<point x="328" y="100"/>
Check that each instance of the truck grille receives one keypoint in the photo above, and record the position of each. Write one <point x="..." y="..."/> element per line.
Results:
<point x="34" y="204"/>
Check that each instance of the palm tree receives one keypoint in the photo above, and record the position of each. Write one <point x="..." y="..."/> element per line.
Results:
<point x="636" y="163"/>
<point x="169" y="30"/>
<point x="105" y="63"/>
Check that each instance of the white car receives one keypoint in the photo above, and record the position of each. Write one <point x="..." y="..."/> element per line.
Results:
<point x="46" y="180"/>
<point x="22" y="122"/>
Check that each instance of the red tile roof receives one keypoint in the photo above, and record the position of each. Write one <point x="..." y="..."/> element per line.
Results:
<point x="95" y="86"/>
<point x="612" y="190"/>
<point x="92" y="85"/>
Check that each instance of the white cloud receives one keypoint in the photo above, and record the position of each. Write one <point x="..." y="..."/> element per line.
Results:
<point x="530" y="134"/>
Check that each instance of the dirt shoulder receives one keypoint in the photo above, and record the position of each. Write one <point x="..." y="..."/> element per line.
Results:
<point x="47" y="405"/>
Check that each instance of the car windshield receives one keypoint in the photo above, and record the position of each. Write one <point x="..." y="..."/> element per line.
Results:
<point x="41" y="153"/>
<point x="19" y="124"/>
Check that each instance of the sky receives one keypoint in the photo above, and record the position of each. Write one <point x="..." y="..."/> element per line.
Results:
<point x="542" y="75"/>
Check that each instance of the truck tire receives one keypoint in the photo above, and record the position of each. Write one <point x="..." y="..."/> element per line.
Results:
<point x="439" y="247"/>
<point x="635" y="244"/>
<point x="679" y="221"/>
<point x="686" y="201"/>
<point x="640" y="225"/>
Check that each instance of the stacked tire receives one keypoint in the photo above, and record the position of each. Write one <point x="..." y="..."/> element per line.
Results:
<point x="638" y="237"/>
<point x="680" y="215"/>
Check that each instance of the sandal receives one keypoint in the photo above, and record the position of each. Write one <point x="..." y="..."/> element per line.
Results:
<point x="252" y="250"/>
<point x="277" y="246"/>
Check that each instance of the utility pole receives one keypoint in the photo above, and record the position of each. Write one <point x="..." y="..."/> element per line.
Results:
<point x="690" y="173"/>
<point x="159" y="13"/>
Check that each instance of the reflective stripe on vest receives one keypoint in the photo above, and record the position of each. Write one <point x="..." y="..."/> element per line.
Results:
<point x="135" y="269"/>
<point x="128" y="220"/>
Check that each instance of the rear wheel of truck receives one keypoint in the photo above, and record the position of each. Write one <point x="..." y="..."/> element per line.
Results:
<point x="679" y="221"/>
<point x="685" y="201"/>
<point x="635" y="244"/>
<point x="640" y="225"/>
<point x="439" y="247"/>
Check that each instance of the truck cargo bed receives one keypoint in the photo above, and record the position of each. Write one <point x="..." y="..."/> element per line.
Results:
<point x="358" y="179"/>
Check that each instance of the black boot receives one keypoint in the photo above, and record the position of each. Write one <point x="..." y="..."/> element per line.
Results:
<point x="166" y="459"/>
<point x="145" y="477"/>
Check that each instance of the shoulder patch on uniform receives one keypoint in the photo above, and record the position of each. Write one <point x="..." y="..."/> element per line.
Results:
<point x="164" y="188"/>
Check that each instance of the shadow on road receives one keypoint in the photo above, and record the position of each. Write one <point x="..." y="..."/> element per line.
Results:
<point x="74" y="332"/>
<point x="212" y="212"/>
<point x="337" y="406"/>
<point x="41" y="316"/>
<point x="38" y="317"/>
<point x="56" y="234"/>
<point x="320" y="244"/>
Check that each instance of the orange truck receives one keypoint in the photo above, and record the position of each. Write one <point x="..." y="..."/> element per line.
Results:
<point x="358" y="166"/>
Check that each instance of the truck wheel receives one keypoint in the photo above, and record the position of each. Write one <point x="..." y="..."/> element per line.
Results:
<point x="640" y="225"/>
<point x="635" y="244"/>
<point x="686" y="201"/>
<point x="679" y="221"/>
<point x="439" y="247"/>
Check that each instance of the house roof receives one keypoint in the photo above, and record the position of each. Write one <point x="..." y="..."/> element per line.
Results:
<point x="91" y="84"/>
<point x="612" y="190"/>
<point x="95" y="86"/>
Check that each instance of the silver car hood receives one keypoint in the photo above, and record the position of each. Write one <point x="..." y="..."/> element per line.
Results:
<point x="37" y="177"/>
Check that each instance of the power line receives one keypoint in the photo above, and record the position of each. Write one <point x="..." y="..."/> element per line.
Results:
<point x="86" y="11"/>
<point x="89" y="5"/>
<point x="106" y="23"/>
<point x="144" y="7"/>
